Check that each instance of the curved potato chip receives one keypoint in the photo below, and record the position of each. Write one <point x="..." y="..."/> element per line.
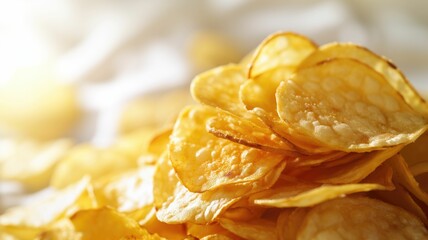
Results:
<point x="258" y="229"/>
<point x="28" y="221"/>
<point x="129" y="191"/>
<point x="289" y="222"/>
<point x="245" y="132"/>
<point x="380" y="64"/>
<point x="164" y="181"/>
<point x="218" y="237"/>
<point x="417" y="151"/>
<point x="361" y="218"/>
<point x="314" y="196"/>
<point x="29" y="162"/>
<point x="203" y="231"/>
<point x="351" y="172"/>
<point x="217" y="161"/>
<point x="203" y="208"/>
<point x="364" y="114"/>
<point x="158" y="144"/>
<point x="168" y="231"/>
<point x="63" y="229"/>
<point x="88" y="160"/>
<point x="403" y="176"/>
<point x="106" y="223"/>
<point x="280" y="49"/>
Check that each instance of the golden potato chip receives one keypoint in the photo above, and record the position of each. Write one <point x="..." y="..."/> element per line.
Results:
<point x="280" y="50"/>
<point x="380" y="64"/>
<point x="63" y="229"/>
<point x="35" y="104"/>
<point x="218" y="237"/>
<point x="105" y="223"/>
<point x="28" y="221"/>
<point x="158" y="144"/>
<point x="403" y="176"/>
<point x="201" y="231"/>
<point x="168" y="231"/>
<point x="243" y="211"/>
<point x="290" y="198"/>
<point x="258" y="229"/>
<point x="153" y="111"/>
<point x="30" y="162"/>
<point x="361" y="218"/>
<point x="202" y="208"/>
<point x="217" y="161"/>
<point x="209" y="49"/>
<point x="289" y="222"/>
<point x="128" y="191"/>
<point x="135" y="143"/>
<point x="89" y="160"/>
<point x="245" y="132"/>
<point x="350" y="172"/>
<point x="164" y="181"/>
<point x="317" y="159"/>
<point x="380" y="117"/>
<point x="401" y="197"/>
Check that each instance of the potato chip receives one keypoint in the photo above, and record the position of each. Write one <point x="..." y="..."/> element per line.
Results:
<point x="245" y="132"/>
<point x="202" y="208"/>
<point x="361" y="218"/>
<point x="159" y="143"/>
<point x="201" y="231"/>
<point x="217" y="161"/>
<point x="62" y="229"/>
<point x="218" y="237"/>
<point x="89" y="160"/>
<point x="380" y="117"/>
<point x="380" y="64"/>
<point x="105" y="223"/>
<point x="135" y="143"/>
<point x="289" y="222"/>
<point x="27" y="221"/>
<point x="351" y="172"/>
<point x="168" y="231"/>
<point x="405" y="178"/>
<point x="30" y="162"/>
<point x="258" y="229"/>
<point x="417" y="151"/>
<point x="129" y="191"/>
<point x="401" y="197"/>
<point x="164" y="181"/>
<point x="278" y="50"/>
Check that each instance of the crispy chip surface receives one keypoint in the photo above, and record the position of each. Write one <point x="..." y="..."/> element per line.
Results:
<point x="365" y="113"/>
<point x="217" y="161"/>
<point x="255" y="230"/>
<point x="360" y="218"/>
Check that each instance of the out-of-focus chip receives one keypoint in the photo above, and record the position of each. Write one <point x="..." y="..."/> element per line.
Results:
<point x="168" y="231"/>
<point x="89" y="160"/>
<point x="258" y="229"/>
<point x="245" y="132"/>
<point x="164" y="181"/>
<point x="380" y="117"/>
<point x="203" y="208"/>
<point x="280" y="49"/>
<point x="29" y="162"/>
<point x="158" y="144"/>
<point x="128" y="191"/>
<point x="217" y="161"/>
<point x="361" y="218"/>
<point x="154" y="111"/>
<point x="218" y="237"/>
<point x="105" y="223"/>
<point x="417" y="151"/>
<point x="201" y="231"/>
<point x="60" y="230"/>
<point x="380" y="64"/>
<point x="34" y="104"/>
<point x="289" y="222"/>
<point x="28" y="221"/>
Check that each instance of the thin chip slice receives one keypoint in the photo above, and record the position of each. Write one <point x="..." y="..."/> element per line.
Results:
<point x="158" y="144"/>
<point x="380" y="64"/>
<point x="106" y="223"/>
<point x="28" y="221"/>
<point x="417" y="151"/>
<point x="245" y="132"/>
<point x="361" y="218"/>
<point x="164" y="181"/>
<point x="217" y="161"/>
<point x="404" y="176"/>
<point x="314" y="196"/>
<point x="62" y="229"/>
<point x="350" y="172"/>
<point x="204" y="208"/>
<point x="258" y="229"/>
<point x="201" y="231"/>
<point x="168" y="231"/>
<point x="218" y="237"/>
<point x="280" y="49"/>
<point x="30" y="162"/>
<point x="364" y="114"/>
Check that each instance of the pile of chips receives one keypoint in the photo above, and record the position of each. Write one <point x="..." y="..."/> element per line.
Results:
<point x="295" y="142"/>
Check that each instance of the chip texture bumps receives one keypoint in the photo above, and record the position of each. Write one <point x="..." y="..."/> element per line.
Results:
<point x="217" y="161"/>
<point x="361" y="218"/>
<point x="364" y="113"/>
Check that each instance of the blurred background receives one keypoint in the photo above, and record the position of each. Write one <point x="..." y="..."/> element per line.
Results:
<point x="74" y="71"/>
